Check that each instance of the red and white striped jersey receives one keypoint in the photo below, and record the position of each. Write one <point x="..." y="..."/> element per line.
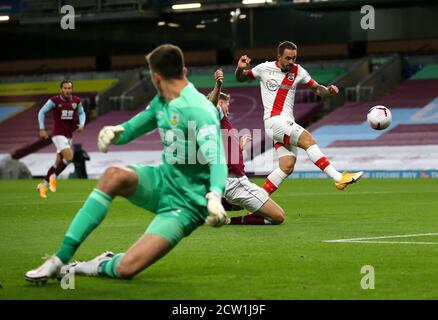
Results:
<point x="278" y="87"/>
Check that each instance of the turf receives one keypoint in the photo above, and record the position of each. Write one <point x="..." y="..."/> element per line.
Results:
<point x="239" y="262"/>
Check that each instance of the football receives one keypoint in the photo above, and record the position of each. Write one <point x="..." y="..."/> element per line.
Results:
<point x="379" y="117"/>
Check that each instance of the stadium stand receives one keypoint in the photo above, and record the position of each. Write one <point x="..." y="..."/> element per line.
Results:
<point x="410" y="144"/>
<point x="246" y="113"/>
<point x="19" y="130"/>
<point x="413" y="105"/>
<point x="306" y="52"/>
<point x="406" y="46"/>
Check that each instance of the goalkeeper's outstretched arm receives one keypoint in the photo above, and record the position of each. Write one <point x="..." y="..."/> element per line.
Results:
<point x="126" y="132"/>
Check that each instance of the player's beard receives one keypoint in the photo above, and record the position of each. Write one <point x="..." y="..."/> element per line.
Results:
<point x="66" y="95"/>
<point x="287" y="66"/>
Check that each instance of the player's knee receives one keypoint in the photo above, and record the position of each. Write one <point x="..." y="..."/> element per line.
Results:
<point x="306" y="140"/>
<point x="287" y="166"/>
<point x="112" y="179"/>
<point x="118" y="175"/>
<point x="279" y="216"/>
<point x="68" y="157"/>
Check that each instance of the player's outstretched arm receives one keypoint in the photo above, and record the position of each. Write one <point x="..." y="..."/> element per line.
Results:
<point x="82" y="118"/>
<point x="126" y="132"/>
<point x="49" y="105"/>
<point x="109" y="135"/>
<point x="324" y="91"/>
<point x="214" y="95"/>
<point x="241" y="73"/>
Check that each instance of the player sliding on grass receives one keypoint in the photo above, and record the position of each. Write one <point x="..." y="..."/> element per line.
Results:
<point x="183" y="191"/>
<point x="64" y="108"/>
<point x="278" y="82"/>
<point x="240" y="193"/>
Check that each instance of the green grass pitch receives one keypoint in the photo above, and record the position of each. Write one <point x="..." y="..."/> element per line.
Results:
<point x="289" y="261"/>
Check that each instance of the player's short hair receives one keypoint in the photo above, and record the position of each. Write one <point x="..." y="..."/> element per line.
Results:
<point x="224" y="96"/>
<point x="65" y="81"/>
<point x="286" y="45"/>
<point x="167" y="60"/>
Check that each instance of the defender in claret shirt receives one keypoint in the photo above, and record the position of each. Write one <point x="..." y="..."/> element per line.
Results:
<point x="278" y="82"/>
<point x="240" y="193"/>
<point x="64" y="108"/>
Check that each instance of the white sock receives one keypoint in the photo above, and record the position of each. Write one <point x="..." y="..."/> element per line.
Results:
<point x="274" y="180"/>
<point x="318" y="158"/>
<point x="277" y="176"/>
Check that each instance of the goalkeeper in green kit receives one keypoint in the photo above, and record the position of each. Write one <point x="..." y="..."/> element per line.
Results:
<point x="184" y="191"/>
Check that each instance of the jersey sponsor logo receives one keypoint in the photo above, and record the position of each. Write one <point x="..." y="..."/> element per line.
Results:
<point x="74" y="105"/>
<point x="67" y="114"/>
<point x="174" y="119"/>
<point x="59" y="105"/>
<point x="272" y="85"/>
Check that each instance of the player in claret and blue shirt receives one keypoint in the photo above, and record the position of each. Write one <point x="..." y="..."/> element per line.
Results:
<point x="65" y="108"/>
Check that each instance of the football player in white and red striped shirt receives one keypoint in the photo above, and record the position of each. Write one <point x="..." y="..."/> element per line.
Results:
<point x="278" y="83"/>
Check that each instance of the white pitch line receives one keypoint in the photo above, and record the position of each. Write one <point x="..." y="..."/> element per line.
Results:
<point x="389" y="242"/>
<point x="334" y="194"/>
<point x="368" y="239"/>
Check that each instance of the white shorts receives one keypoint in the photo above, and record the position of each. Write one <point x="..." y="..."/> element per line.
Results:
<point x="243" y="193"/>
<point x="277" y="128"/>
<point x="61" y="143"/>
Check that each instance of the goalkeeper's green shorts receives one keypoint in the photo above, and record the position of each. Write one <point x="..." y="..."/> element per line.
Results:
<point x="173" y="225"/>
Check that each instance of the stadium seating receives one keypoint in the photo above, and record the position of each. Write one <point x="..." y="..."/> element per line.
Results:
<point x="19" y="130"/>
<point x="246" y="113"/>
<point x="315" y="51"/>
<point x="413" y="104"/>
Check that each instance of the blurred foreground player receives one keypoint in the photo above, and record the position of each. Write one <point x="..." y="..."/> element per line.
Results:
<point x="183" y="192"/>
<point x="64" y="108"/>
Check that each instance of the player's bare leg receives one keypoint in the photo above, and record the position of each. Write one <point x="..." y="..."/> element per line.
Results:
<point x="269" y="213"/>
<point x="147" y="250"/>
<point x="65" y="158"/>
<point x="342" y="180"/>
<point x="114" y="182"/>
<point x="52" y="177"/>
<point x="43" y="187"/>
<point x="272" y="211"/>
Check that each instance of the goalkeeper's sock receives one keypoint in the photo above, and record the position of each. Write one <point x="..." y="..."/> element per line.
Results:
<point x="64" y="163"/>
<point x="274" y="180"/>
<point x="252" y="218"/>
<point x="49" y="173"/>
<point x="318" y="158"/>
<point x="109" y="267"/>
<point x="86" y="220"/>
